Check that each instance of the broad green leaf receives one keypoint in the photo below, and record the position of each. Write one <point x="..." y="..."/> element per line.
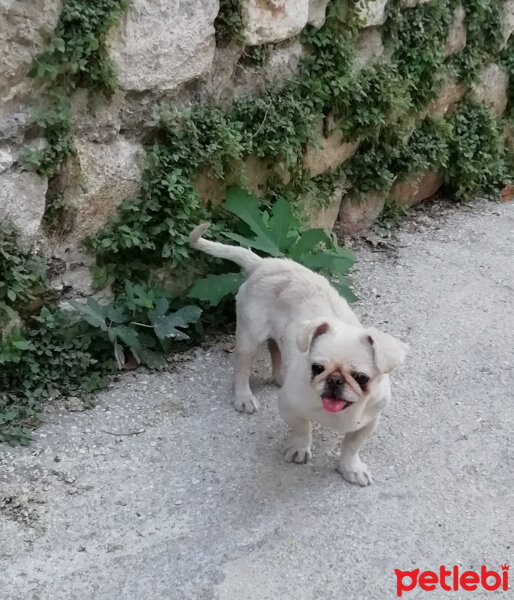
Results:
<point x="10" y="415"/>
<point x="116" y="315"/>
<point x="343" y="287"/>
<point x="127" y="335"/>
<point x="246" y="207"/>
<point x="282" y="222"/>
<point x="214" y="288"/>
<point x="258" y="243"/>
<point x="151" y="359"/>
<point x="307" y="241"/>
<point x="334" y="262"/>
<point x="92" y="311"/>
<point x="161" y="308"/>
<point x="100" y="276"/>
<point x="189" y="313"/>
<point x="23" y="345"/>
<point x="166" y="326"/>
<point x="60" y="44"/>
<point x="129" y="289"/>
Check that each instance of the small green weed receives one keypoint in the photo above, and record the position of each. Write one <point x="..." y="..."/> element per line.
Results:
<point x="78" y="55"/>
<point x="55" y="124"/>
<point x="22" y="275"/>
<point x="50" y="356"/>
<point x="229" y="23"/>
<point x="140" y="323"/>
<point x="69" y="353"/>
<point x="391" y="215"/>
<point x="256" y="56"/>
<point x="483" y="40"/>
<point x="477" y="157"/>
<point x="418" y="37"/>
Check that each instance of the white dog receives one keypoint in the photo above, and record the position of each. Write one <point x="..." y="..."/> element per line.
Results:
<point x="330" y="368"/>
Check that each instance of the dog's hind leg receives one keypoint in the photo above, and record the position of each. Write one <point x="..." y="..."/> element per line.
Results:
<point x="246" y="348"/>
<point x="276" y="362"/>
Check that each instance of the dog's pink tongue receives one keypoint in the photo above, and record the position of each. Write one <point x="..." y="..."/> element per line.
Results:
<point x="333" y="404"/>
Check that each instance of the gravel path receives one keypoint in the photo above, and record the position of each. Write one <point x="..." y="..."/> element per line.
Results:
<point x="164" y="492"/>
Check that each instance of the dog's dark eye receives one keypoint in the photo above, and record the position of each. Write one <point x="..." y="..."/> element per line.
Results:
<point x="317" y="369"/>
<point x="360" y="378"/>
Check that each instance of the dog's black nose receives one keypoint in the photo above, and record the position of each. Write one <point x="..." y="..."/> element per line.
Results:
<point x="335" y="379"/>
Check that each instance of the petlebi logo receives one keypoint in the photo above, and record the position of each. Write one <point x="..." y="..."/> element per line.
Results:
<point x="451" y="579"/>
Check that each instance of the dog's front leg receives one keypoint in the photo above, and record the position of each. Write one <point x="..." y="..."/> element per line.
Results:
<point x="246" y="348"/>
<point x="298" y="445"/>
<point x="350" y="465"/>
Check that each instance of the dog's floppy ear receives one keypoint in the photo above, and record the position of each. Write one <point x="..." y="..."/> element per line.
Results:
<point x="388" y="351"/>
<point x="309" y="331"/>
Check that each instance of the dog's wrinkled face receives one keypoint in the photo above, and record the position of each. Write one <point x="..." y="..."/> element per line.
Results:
<point x="347" y="362"/>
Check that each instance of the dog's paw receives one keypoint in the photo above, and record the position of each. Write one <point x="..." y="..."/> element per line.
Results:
<point x="278" y="378"/>
<point x="247" y="403"/>
<point x="296" y="454"/>
<point x="355" y="472"/>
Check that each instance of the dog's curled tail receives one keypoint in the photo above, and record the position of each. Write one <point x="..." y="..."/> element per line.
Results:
<point x="246" y="259"/>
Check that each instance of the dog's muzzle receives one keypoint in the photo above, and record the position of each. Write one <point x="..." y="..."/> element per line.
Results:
<point x="332" y="396"/>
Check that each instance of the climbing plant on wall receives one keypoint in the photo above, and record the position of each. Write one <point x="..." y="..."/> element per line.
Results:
<point x="375" y="105"/>
<point x="77" y="57"/>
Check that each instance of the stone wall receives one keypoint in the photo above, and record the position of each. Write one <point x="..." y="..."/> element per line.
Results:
<point x="166" y="50"/>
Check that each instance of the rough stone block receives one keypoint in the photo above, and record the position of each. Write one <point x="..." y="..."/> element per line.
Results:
<point x="332" y="153"/>
<point x="161" y="45"/>
<point x="456" y="40"/>
<point x="221" y="76"/>
<point x="25" y="28"/>
<point x="281" y="65"/>
<point x="22" y="201"/>
<point x="508" y="20"/>
<point x="451" y="92"/>
<point x="110" y="173"/>
<point x="255" y="173"/>
<point x="368" y="48"/>
<point x="272" y="21"/>
<point x="211" y="189"/>
<point x="356" y="216"/>
<point x="324" y="218"/>
<point x="99" y="121"/>
<point x="372" y="12"/>
<point x="416" y="187"/>
<point x="15" y="117"/>
<point x="6" y="160"/>
<point x="492" y="88"/>
<point x="317" y="12"/>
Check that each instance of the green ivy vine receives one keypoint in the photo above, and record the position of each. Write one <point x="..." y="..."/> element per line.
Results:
<point x="77" y="57"/>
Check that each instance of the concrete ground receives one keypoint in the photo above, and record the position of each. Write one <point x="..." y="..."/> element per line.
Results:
<point x="164" y="492"/>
